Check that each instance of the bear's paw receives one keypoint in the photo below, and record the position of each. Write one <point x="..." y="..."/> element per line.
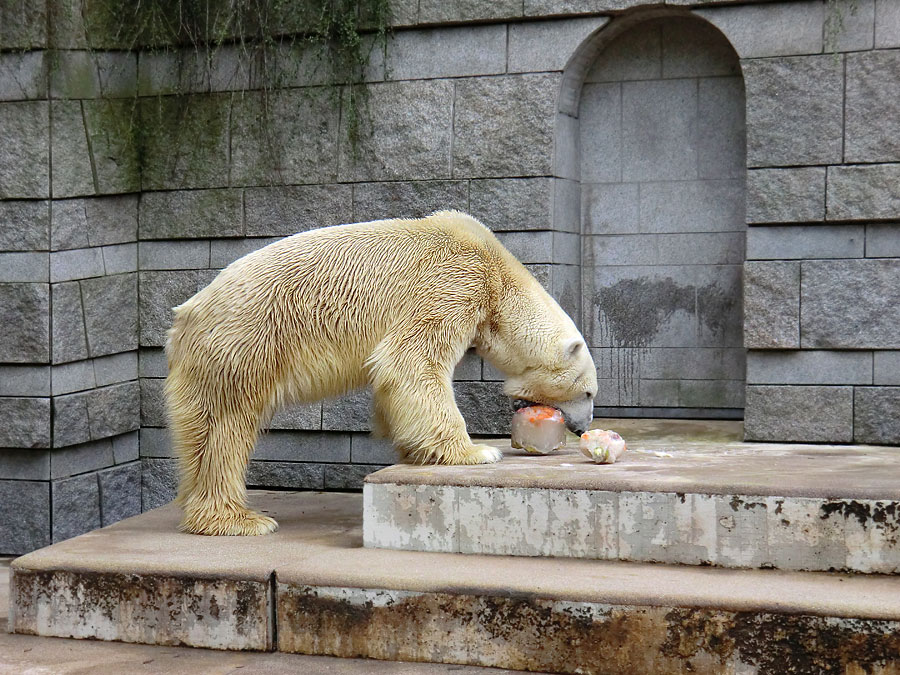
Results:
<point x="244" y="523"/>
<point x="482" y="454"/>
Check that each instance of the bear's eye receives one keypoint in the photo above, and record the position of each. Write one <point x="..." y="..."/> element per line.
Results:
<point x="588" y="394"/>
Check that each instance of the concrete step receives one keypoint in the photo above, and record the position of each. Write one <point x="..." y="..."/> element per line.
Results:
<point x="685" y="493"/>
<point x="312" y="588"/>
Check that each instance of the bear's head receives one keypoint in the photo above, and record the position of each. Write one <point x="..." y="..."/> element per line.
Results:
<point x="544" y="356"/>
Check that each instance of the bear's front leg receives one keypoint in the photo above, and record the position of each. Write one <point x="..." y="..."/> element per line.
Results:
<point x="414" y="396"/>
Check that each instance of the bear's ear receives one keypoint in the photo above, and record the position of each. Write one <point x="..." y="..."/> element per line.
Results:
<point x="572" y="346"/>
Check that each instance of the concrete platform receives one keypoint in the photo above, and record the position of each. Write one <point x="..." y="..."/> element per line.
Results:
<point x="686" y="492"/>
<point x="312" y="588"/>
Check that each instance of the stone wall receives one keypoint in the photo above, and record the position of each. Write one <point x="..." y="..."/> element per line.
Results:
<point x="119" y="199"/>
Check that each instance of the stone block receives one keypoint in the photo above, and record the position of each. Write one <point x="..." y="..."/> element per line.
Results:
<point x="863" y="192"/>
<point x="24" y="465"/>
<point x="777" y="29"/>
<point x="155" y="442"/>
<point x="24" y="514"/>
<point x="809" y="367"/>
<point x="801" y="414"/>
<point x="786" y="195"/>
<point x="654" y="393"/>
<point x="71" y="424"/>
<point x="114" y="410"/>
<point x="81" y="458"/>
<point x="20" y="266"/>
<point x="518" y="114"/>
<point x="719" y="305"/>
<point x="690" y="206"/>
<point x="306" y="446"/>
<point x="159" y="482"/>
<point x="120" y="493"/>
<point x="367" y="449"/>
<point x="600" y="130"/>
<point x="887" y="24"/>
<point x="677" y="363"/>
<point x="23" y="25"/>
<point x="185" y="141"/>
<point x="484" y="406"/>
<point x="771" y="305"/>
<point x="25" y="154"/>
<point x="94" y="74"/>
<point x="79" y="263"/>
<point x="442" y="11"/>
<point x="26" y="422"/>
<point x="290" y="475"/>
<point x="565" y="288"/>
<point x="512" y="204"/>
<point x="872" y="127"/>
<point x="99" y="221"/>
<point x="304" y="416"/>
<point x="152" y="363"/>
<point x="850" y="304"/>
<point x="876" y="415"/>
<point x="290" y="138"/>
<point x="711" y="394"/>
<point x="24" y="225"/>
<point x="347" y="476"/>
<point x="223" y="252"/>
<point x="187" y="214"/>
<point x="153" y="405"/>
<point x="611" y="208"/>
<point x="71" y="377"/>
<point x="110" y="313"/>
<point x="231" y="67"/>
<point x="120" y="259"/>
<point x="173" y="255"/>
<point x="447" y="52"/>
<point x="567" y="151"/>
<point x="692" y="48"/>
<point x="117" y="161"/>
<point x="543" y="275"/>
<point x="115" y="368"/>
<point x="126" y="447"/>
<point x="721" y="143"/>
<point x="23" y="76"/>
<point x="886" y="369"/>
<point x="659" y="130"/>
<point x="849" y="28"/>
<point x="635" y="55"/>
<point x="469" y="367"/>
<point x="281" y="211"/>
<point x="75" y="506"/>
<point x="173" y="71"/>
<point x="160" y="292"/>
<point x="24" y="322"/>
<point x="804" y="242"/>
<point x="69" y="338"/>
<point x="23" y="380"/>
<point x="350" y="412"/>
<point x="71" y="164"/>
<point x="883" y="241"/>
<point x="794" y="110"/>
<point x="529" y="247"/>
<point x="414" y="199"/>
<point x="541" y="46"/>
<point x="404" y="135"/>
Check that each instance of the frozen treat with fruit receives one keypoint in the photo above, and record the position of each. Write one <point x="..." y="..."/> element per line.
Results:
<point x="538" y="429"/>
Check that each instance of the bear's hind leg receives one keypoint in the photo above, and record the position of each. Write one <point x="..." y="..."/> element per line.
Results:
<point x="213" y="449"/>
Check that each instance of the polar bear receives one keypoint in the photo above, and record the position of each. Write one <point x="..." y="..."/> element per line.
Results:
<point x="393" y="304"/>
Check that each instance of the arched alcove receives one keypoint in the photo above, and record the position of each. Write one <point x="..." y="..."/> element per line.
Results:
<point x="653" y="108"/>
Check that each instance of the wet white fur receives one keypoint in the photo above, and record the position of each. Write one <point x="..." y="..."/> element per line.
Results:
<point x="391" y="303"/>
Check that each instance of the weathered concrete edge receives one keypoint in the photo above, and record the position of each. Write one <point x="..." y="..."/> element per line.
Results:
<point x="530" y="633"/>
<point x="693" y="529"/>
<point x="172" y="610"/>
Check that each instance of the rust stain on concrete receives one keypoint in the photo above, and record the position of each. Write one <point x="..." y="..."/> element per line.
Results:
<point x="528" y="633"/>
<point x="163" y="610"/>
